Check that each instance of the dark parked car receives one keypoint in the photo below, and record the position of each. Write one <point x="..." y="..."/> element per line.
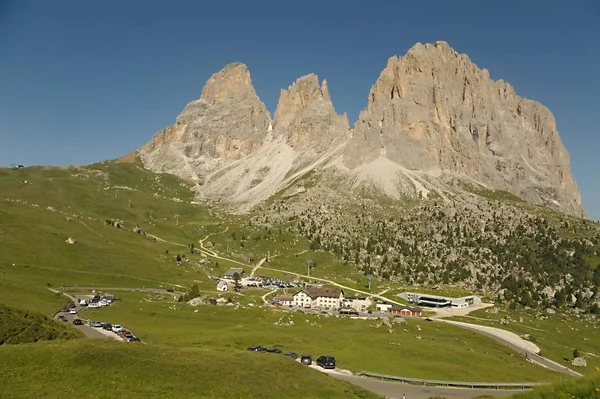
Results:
<point x="78" y="322"/>
<point x="107" y="326"/>
<point x="273" y="350"/>
<point x="170" y="290"/>
<point x="291" y="354"/>
<point x="306" y="359"/>
<point x="62" y="318"/>
<point x="256" y="348"/>
<point x="327" y="362"/>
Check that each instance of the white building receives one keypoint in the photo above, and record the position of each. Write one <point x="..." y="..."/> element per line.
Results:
<point x="222" y="286"/>
<point x="383" y="307"/>
<point x="358" y="304"/>
<point x="439" y="301"/>
<point x="283" y="300"/>
<point x="322" y="298"/>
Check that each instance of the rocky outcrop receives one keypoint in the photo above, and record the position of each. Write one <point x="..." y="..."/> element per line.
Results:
<point x="227" y="121"/>
<point x="433" y="122"/>
<point x="226" y="143"/>
<point x="434" y="111"/>
<point x="307" y="117"/>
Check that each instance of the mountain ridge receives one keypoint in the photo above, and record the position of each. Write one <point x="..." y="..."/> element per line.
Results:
<point x="432" y="118"/>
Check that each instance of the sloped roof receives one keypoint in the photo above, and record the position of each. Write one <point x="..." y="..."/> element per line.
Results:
<point x="231" y="272"/>
<point x="314" y="292"/>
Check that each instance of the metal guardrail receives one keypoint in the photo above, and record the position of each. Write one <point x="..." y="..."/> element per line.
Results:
<point x="461" y="384"/>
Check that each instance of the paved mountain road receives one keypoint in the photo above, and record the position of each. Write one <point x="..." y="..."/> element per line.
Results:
<point x="395" y="390"/>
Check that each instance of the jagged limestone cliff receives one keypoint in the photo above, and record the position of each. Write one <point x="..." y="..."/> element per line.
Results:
<point x="434" y="111"/>
<point x="433" y="121"/>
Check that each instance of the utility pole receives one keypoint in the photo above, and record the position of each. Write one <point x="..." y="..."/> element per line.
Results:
<point x="129" y="203"/>
<point x="308" y="261"/>
<point x="370" y="279"/>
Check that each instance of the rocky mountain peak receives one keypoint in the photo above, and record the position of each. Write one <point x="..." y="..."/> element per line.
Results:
<point x="231" y="82"/>
<point x="434" y="111"/>
<point x="300" y="95"/>
<point x="434" y="122"/>
<point x="228" y="121"/>
<point x="306" y="115"/>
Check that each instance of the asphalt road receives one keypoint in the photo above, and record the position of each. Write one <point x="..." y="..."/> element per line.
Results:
<point x="87" y="330"/>
<point x="525" y="353"/>
<point x="395" y="390"/>
<point x="108" y="289"/>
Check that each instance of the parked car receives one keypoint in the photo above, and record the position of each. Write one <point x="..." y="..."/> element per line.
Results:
<point x="65" y="309"/>
<point x="62" y="318"/>
<point x="97" y="324"/>
<point x="428" y="319"/>
<point x="127" y="336"/>
<point x="256" y="348"/>
<point x="327" y="362"/>
<point x="170" y="290"/>
<point x="291" y="354"/>
<point x="73" y="311"/>
<point x="107" y="326"/>
<point x="77" y="322"/>
<point x="273" y="350"/>
<point x="117" y="328"/>
<point x="306" y="359"/>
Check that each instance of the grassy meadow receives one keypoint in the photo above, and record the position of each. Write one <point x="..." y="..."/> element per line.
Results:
<point x="416" y="348"/>
<point x="108" y="369"/>
<point x="584" y="388"/>
<point x="41" y="207"/>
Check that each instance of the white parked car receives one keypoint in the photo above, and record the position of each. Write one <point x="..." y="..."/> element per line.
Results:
<point x="117" y="328"/>
<point x="93" y="305"/>
<point x="73" y="311"/>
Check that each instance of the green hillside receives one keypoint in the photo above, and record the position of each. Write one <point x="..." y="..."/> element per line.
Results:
<point x="107" y="369"/>
<point x="132" y="228"/>
<point x="20" y="326"/>
<point x="586" y="388"/>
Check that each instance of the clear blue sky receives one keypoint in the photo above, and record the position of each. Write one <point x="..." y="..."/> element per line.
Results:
<point x="83" y="81"/>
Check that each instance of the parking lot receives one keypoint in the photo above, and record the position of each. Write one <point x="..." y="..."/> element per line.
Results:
<point x="265" y="282"/>
<point x="73" y="313"/>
